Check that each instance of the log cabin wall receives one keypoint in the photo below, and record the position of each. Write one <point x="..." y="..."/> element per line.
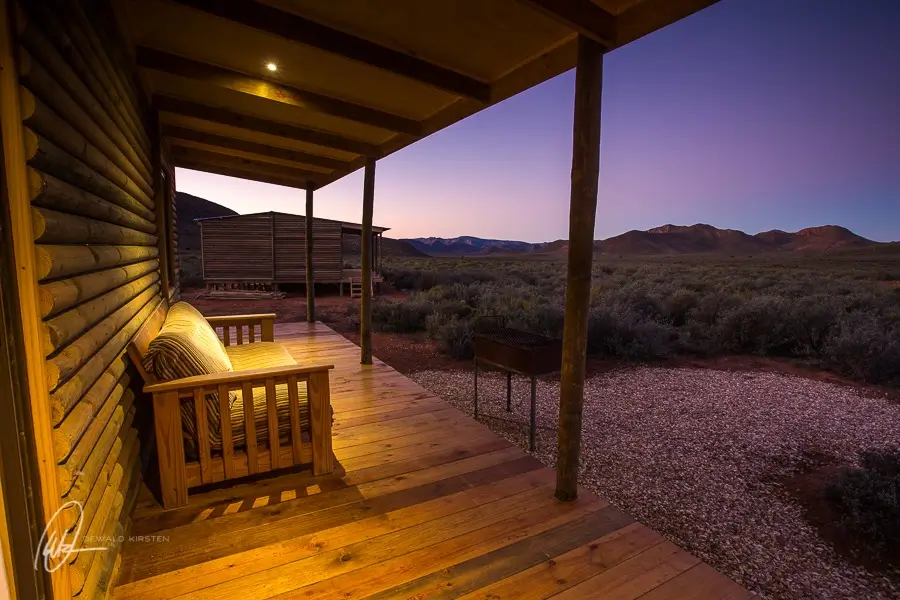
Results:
<point x="269" y="248"/>
<point x="90" y="178"/>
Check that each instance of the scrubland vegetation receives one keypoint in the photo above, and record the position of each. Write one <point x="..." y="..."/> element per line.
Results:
<point x="840" y="312"/>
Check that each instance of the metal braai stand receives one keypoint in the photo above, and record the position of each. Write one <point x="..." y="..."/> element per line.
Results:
<point x="515" y="351"/>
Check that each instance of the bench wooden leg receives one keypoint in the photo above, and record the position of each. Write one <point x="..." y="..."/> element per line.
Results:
<point x="170" y="449"/>
<point x="319" y="394"/>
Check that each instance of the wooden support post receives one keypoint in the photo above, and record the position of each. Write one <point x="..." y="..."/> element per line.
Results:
<point x="319" y="398"/>
<point x="162" y="232"/>
<point x="310" y="275"/>
<point x="365" y="302"/>
<point x="16" y="219"/>
<point x="582" y="212"/>
<point x="170" y="449"/>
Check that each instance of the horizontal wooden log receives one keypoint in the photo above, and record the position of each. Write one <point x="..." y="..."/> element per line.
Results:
<point x="63" y="329"/>
<point x="91" y="483"/>
<point x="53" y="227"/>
<point x="44" y="121"/>
<point x="68" y="361"/>
<point x="36" y="78"/>
<point x="46" y="156"/>
<point x="63" y="399"/>
<point x="103" y="524"/>
<point x="103" y="568"/>
<point x="74" y="45"/>
<point x="110" y="61"/>
<point x="49" y="192"/>
<point x="112" y="415"/>
<point x="98" y="582"/>
<point x="88" y="494"/>
<point x="76" y="422"/>
<point x="49" y="58"/>
<point x="54" y="262"/>
<point x="60" y="295"/>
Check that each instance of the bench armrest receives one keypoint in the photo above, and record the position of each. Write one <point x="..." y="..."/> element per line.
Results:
<point x="235" y="378"/>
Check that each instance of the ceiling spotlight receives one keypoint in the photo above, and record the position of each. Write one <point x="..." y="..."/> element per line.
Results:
<point x="272" y="66"/>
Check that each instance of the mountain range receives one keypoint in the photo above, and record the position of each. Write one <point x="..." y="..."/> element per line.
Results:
<point x="666" y="239"/>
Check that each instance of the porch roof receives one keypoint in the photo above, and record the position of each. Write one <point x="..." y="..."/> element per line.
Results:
<point x="352" y="79"/>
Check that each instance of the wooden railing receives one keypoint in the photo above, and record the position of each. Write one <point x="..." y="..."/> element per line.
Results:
<point x="176" y="475"/>
<point x="251" y="328"/>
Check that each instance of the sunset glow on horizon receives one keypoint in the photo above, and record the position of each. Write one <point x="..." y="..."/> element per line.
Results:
<point x="751" y="115"/>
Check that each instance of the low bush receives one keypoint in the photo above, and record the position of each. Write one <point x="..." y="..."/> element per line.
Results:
<point x="829" y="310"/>
<point x="867" y="499"/>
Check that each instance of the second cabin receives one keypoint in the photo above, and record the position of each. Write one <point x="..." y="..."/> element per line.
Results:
<point x="268" y="249"/>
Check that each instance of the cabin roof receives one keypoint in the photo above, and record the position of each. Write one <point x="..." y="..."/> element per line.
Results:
<point x="353" y="79"/>
<point x="344" y="224"/>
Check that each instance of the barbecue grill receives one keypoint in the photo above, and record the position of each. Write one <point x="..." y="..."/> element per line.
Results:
<point x="515" y="351"/>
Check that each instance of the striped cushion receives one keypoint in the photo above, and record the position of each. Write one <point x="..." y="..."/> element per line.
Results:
<point x="187" y="346"/>
<point x="262" y="355"/>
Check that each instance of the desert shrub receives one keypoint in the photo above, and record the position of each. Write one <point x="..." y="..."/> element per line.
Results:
<point x="759" y="325"/>
<point x="865" y="346"/>
<point x="810" y="323"/>
<point x="829" y="310"/>
<point x="453" y="336"/>
<point x="867" y="499"/>
<point x="623" y="333"/>
<point x="400" y="317"/>
<point x="679" y="304"/>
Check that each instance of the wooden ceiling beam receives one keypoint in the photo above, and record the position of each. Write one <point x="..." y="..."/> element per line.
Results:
<point x="309" y="33"/>
<point x="582" y="16"/>
<point x="273" y="91"/>
<point x="649" y="15"/>
<point x="209" y="157"/>
<point x="185" y="163"/>
<point x="224" y="116"/>
<point x="175" y="132"/>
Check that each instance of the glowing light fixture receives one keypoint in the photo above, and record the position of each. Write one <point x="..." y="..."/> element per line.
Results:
<point x="272" y="66"/>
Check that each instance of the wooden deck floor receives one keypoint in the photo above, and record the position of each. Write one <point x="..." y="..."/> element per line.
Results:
<point x="428" y="504"/>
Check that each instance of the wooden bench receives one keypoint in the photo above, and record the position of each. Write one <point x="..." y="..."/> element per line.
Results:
<point x="176" y="473"/>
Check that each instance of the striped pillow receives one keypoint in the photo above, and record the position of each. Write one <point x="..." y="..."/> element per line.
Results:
<point x="187" y="346"/>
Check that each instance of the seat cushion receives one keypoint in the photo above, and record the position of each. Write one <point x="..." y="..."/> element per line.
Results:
<point x="259" y="355"/>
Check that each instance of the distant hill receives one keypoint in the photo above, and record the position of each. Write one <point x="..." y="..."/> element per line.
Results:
<point x="389" y="247"/>
<point x="666" y="239"/>
<point x="468" y="245"/>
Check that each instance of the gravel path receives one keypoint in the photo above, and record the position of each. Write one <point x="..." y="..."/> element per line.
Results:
<point x="695" y="453"/>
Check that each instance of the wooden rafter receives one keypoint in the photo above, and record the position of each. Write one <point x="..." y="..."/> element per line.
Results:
<point x="174" y="133"/>
<point x="224" y="116"/>
<point x="273" y="91"/>
<point x="236" y="162"/>
<point x="582" y="16"/>
<point x="304" y="31"/>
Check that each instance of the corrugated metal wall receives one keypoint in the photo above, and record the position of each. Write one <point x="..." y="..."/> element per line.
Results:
<point x="91" y="177"/>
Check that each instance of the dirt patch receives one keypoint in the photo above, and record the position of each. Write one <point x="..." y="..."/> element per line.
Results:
<point x="808" y="489"/>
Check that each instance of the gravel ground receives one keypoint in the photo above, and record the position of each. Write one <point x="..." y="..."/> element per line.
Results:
<point x="696" y="455"/>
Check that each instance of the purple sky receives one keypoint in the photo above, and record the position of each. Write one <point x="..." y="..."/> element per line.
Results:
<point x="752" y="115"/>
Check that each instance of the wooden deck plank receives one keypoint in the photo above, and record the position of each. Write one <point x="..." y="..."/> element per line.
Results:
<point x="425" y="503"/>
